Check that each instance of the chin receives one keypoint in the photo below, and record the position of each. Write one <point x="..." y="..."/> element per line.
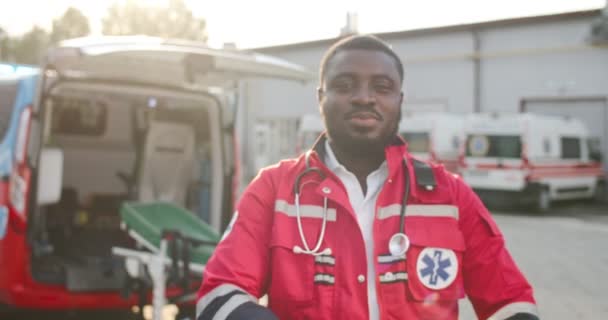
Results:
<point x="360" y="142"/>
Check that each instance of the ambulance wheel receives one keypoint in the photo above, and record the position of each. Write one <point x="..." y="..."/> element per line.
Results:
<point x="543" y="202"/>
<point x="601" y="194"/>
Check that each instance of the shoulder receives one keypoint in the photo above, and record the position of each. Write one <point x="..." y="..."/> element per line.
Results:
<point x="446" y="183"/>
<point x="278" y="172"/>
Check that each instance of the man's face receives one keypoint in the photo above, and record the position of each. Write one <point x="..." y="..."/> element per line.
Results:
<point x="360" y="99"/>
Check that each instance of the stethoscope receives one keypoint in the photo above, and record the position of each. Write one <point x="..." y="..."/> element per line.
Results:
<point x="399" y="242"/>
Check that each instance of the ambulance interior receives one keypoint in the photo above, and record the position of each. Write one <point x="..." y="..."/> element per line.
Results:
<point x="122" y="144"/>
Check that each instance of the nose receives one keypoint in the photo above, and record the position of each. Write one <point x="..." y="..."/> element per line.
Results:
<point x="363" y="96"/>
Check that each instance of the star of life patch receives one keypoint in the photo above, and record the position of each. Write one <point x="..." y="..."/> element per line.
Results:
<point x="479" y="145"/>
<point x="437" y="268"/>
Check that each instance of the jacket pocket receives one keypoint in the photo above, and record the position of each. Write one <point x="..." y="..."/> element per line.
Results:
<point x="292" y="274"/>
<point x="434" y="260"/>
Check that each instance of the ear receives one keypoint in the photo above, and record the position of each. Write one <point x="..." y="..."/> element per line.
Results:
<point x="320" y="94"/>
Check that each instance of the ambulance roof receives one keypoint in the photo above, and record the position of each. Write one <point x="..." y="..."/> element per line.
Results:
<point x="517" y="123"/>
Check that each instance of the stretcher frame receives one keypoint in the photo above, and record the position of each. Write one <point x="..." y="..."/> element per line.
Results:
<point x="172" y="245"/>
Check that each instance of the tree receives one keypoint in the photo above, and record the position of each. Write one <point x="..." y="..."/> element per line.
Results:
<point x="30" y="47"/>
<point x="173" y="21"/>
<point x="72" y="24"/>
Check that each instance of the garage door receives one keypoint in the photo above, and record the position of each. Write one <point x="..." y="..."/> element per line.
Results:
<point x="593" y="112"/>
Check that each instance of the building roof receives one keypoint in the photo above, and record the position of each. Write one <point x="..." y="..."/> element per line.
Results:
<point x="443" y="29"/>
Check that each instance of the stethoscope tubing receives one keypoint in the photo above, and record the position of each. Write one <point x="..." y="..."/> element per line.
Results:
<point x="405" y="198"/>
<point x="316" y="250"/>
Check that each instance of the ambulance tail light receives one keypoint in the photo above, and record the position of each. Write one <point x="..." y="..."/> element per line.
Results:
<point x="525" y="161"/>
<point x="20" y="175"/>
<point x="461" y="156"/>
<point x="432" y="153"/>
<point x="433" y="156"/>
<point x="462" y="164"/>
<point x="461" y="161"/>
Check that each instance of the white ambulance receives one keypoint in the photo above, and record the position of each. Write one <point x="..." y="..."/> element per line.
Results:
<point x="310" y="128"/>
<point x="530" y="158"/>
<point x="434" y="136"/>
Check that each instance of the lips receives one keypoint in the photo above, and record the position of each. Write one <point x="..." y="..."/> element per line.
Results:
<point x="364" y="120"/>
<point x="363" y="115"/>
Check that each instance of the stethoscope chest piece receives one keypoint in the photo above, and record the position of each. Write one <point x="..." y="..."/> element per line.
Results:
<point x="398" y="244"/>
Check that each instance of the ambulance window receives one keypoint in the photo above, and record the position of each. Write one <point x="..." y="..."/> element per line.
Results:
<point x="595" y="149"/>
<point x="8" y="92"/>
<point x="494" y="146"/>
<point x="571" y="148"/>
<point x="75" y="116"/>
<point x="416" y="141"/>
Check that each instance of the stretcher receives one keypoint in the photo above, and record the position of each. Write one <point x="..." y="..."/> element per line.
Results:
<point x="172" y="247"/>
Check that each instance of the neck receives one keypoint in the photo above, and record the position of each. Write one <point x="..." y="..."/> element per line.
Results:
<point x="360" y="162"/>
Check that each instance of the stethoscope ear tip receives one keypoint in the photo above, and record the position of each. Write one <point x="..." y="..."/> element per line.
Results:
<point x="326" y="252"/>
<point x="300" y="250"/>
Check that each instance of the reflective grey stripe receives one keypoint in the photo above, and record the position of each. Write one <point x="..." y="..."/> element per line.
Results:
<point x="392" y="277"/>
<point x="217" y="292"/>
<point x="325" y="260"/>
<point x="390" y="258"/>
<point x="513" y="309"/>
<point x="424" y="210"/>
<point x="306" y="210"/>
<point x="325" y="278"/>
<point x="230" y="305"/>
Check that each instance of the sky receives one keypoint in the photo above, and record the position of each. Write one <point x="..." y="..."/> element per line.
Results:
<point x="261" y="23"/>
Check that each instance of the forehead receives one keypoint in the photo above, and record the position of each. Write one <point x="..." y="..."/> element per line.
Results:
<point x="362" y="63"/>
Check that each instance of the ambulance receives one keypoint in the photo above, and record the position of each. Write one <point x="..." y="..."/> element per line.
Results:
<point x="431" y="136"/>
<point x="105" y="121"/>
<point x="530" y="159"/>
<point x="434" y="136"/>
<point x="310" y="128"/>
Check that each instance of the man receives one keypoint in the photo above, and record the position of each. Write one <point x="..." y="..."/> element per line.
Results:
<point x="314" y="233"/>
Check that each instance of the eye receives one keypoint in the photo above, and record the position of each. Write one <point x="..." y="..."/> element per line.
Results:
<point x="342" y="85"/>
<point x="383" y="87"/>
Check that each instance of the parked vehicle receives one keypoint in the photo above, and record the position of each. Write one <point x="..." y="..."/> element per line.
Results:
<point x="434" y="136"/>
<point x="310" y="128"/>
<point x="115" y="119"/>
<point x="530" y="158"/>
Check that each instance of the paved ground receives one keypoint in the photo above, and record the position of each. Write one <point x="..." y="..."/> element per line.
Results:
<point x="564" y="254"/>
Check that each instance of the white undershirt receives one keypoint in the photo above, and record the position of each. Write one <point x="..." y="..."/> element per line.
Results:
<point x="364" y="205"/>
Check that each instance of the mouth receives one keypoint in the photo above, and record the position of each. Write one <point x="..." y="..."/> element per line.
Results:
<point x="363" y="116"/>
<point x="364" y="119"/>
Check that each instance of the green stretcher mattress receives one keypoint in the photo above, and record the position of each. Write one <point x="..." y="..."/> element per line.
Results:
<point x="149" y="220"/>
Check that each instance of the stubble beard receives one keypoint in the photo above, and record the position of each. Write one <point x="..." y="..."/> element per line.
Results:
<point x="362" y="146"/>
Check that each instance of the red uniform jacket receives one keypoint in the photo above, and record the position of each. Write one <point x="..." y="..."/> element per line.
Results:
<point x="456" y="250"/>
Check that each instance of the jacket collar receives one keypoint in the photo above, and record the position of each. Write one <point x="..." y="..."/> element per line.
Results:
<point x="395" y="154"/>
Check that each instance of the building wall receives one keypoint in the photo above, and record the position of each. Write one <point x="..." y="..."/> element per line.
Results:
<point x="540" y="60"/>
<point x="544" y="59"/>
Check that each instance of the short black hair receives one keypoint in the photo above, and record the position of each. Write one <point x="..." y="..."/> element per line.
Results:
<point x="359" y="42"/>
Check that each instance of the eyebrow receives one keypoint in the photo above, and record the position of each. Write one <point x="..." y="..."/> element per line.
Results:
<point x="354" y="75"/>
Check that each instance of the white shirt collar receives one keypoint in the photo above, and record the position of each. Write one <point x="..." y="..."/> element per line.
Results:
<point x="332" y="162"/>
